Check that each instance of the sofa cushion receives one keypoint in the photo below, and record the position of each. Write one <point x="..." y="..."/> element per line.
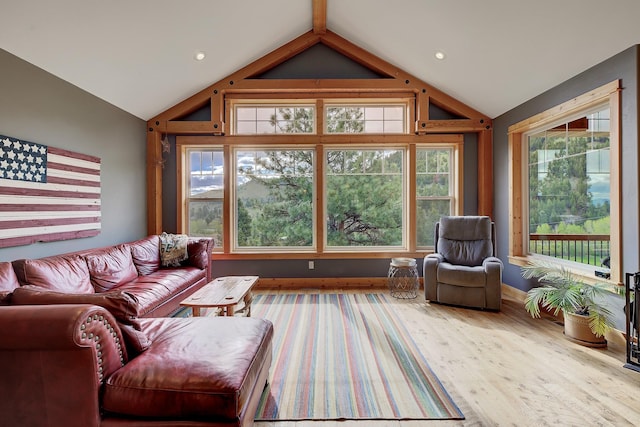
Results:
<point x="155" y="289"/>
<point x="62" y="273"/>
<point x="110" y="267"/>
<point x="8" y="282"/>
<point x="122" y="305"/>
<point x="195" y="368"/>
<point x="146" y="254"/>
<point x="462" y="275"/>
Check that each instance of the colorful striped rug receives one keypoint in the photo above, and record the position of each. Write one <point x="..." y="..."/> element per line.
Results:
<point x="345" y="356"/>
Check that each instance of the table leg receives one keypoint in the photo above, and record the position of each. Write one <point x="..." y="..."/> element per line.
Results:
<point x="195" y="311"/>
<point x="230" y="310"/>
<point x="247" y="303"/>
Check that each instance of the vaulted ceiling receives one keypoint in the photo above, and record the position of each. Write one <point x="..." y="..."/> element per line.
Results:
<point x="139" y="55"/>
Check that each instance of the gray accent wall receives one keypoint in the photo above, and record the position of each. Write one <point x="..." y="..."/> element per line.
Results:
<point x="39" y="107"/>
<point x="623" y="66"/>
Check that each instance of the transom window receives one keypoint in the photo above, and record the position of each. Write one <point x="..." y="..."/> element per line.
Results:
<point x="365" y="119"/>
<point x="274" y="119"/>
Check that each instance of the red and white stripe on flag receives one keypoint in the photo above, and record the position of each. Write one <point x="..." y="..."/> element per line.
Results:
<point x="46" y="193"/>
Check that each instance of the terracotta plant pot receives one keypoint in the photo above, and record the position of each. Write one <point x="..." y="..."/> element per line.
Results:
<point x="576" y="329"/>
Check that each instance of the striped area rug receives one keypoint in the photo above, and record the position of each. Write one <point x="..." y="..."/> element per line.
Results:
<point x="345" y="356"/>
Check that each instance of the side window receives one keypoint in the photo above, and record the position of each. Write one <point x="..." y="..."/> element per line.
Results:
<point x="565" y="176"/>
<point x="205" y="193"/>
<point x="569" y="190"/>
<point x="435" y="190"/>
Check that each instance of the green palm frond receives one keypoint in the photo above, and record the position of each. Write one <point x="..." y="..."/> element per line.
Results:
<point x="561" y="290"/>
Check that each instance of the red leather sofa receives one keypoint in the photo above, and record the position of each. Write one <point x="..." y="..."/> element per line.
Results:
<point x="66" y="365"/>
<point x="129" y="273"/>
<point x="83" y="343"/>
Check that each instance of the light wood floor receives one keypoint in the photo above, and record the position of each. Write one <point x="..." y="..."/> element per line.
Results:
<point x="507" y="369"/>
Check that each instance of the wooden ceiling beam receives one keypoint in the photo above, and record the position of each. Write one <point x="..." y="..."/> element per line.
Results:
<point x="319" y="16"/>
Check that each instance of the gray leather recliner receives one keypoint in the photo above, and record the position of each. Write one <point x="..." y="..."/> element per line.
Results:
<point x="463" y="270"/>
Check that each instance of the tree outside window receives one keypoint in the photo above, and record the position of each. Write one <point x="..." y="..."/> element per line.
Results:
<point x="364" y="197"/>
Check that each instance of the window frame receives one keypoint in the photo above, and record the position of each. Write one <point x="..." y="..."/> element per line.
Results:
<point x="404" y="246"/>
<point x="233" y="230"/>
<point x="608" y="94"/>
<point x="321" y="142"/>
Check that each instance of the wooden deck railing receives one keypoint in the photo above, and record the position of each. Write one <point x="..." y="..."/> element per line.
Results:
<point x="589" y="249"/>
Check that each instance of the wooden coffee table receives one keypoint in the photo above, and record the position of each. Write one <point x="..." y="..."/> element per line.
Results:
<point x="224" y="293"/>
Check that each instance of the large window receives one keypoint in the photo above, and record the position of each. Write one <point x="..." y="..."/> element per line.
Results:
<point x="365" y="195"/>
<point x="565" y="173"/>
<point x="274" y="198"/>
<point x="359" y="183"/>
<point x="569" y="189"/>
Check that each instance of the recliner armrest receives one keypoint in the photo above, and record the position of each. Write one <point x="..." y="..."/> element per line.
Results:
<point x="492" y="263"/>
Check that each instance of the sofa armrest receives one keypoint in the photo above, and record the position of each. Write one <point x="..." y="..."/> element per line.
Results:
<point x="56" y="356"/>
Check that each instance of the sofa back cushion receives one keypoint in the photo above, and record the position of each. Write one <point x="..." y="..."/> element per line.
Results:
<point x="122" y="305"/>
<point x="8" y="281"/>
<point x="146" y="254"/>
<point x="110" y="267"/>
<point x="465" y="240"/>
<point x="62" y="273"/>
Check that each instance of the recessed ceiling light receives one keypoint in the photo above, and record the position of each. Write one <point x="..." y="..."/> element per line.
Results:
<point x="199" y="56"/>
<point x="439" y="55"/>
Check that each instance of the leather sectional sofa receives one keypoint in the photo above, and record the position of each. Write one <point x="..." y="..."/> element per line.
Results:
<point x="129" y="272"/>
<point x="95" y="351"/>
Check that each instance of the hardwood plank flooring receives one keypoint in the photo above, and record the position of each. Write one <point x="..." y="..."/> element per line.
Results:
<point x="507" y="369"/>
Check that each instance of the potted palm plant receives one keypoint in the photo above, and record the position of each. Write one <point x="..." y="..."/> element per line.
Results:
<point x="586" y="316"/>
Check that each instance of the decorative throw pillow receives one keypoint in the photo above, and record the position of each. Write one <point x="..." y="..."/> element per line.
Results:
<point x="135" y="340"/>
<point x="199" y="255"/>
<point x="173" y="249"/>
<point x="111" y="267"/>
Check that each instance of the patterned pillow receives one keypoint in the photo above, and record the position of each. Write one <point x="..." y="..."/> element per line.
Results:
<point x="173" y="249"/>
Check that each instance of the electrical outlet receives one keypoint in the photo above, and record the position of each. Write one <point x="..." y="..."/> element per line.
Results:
<point x="312" y="265"/>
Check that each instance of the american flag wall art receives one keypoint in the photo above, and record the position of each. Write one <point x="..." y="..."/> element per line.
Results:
<point x="46" y="193"/>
